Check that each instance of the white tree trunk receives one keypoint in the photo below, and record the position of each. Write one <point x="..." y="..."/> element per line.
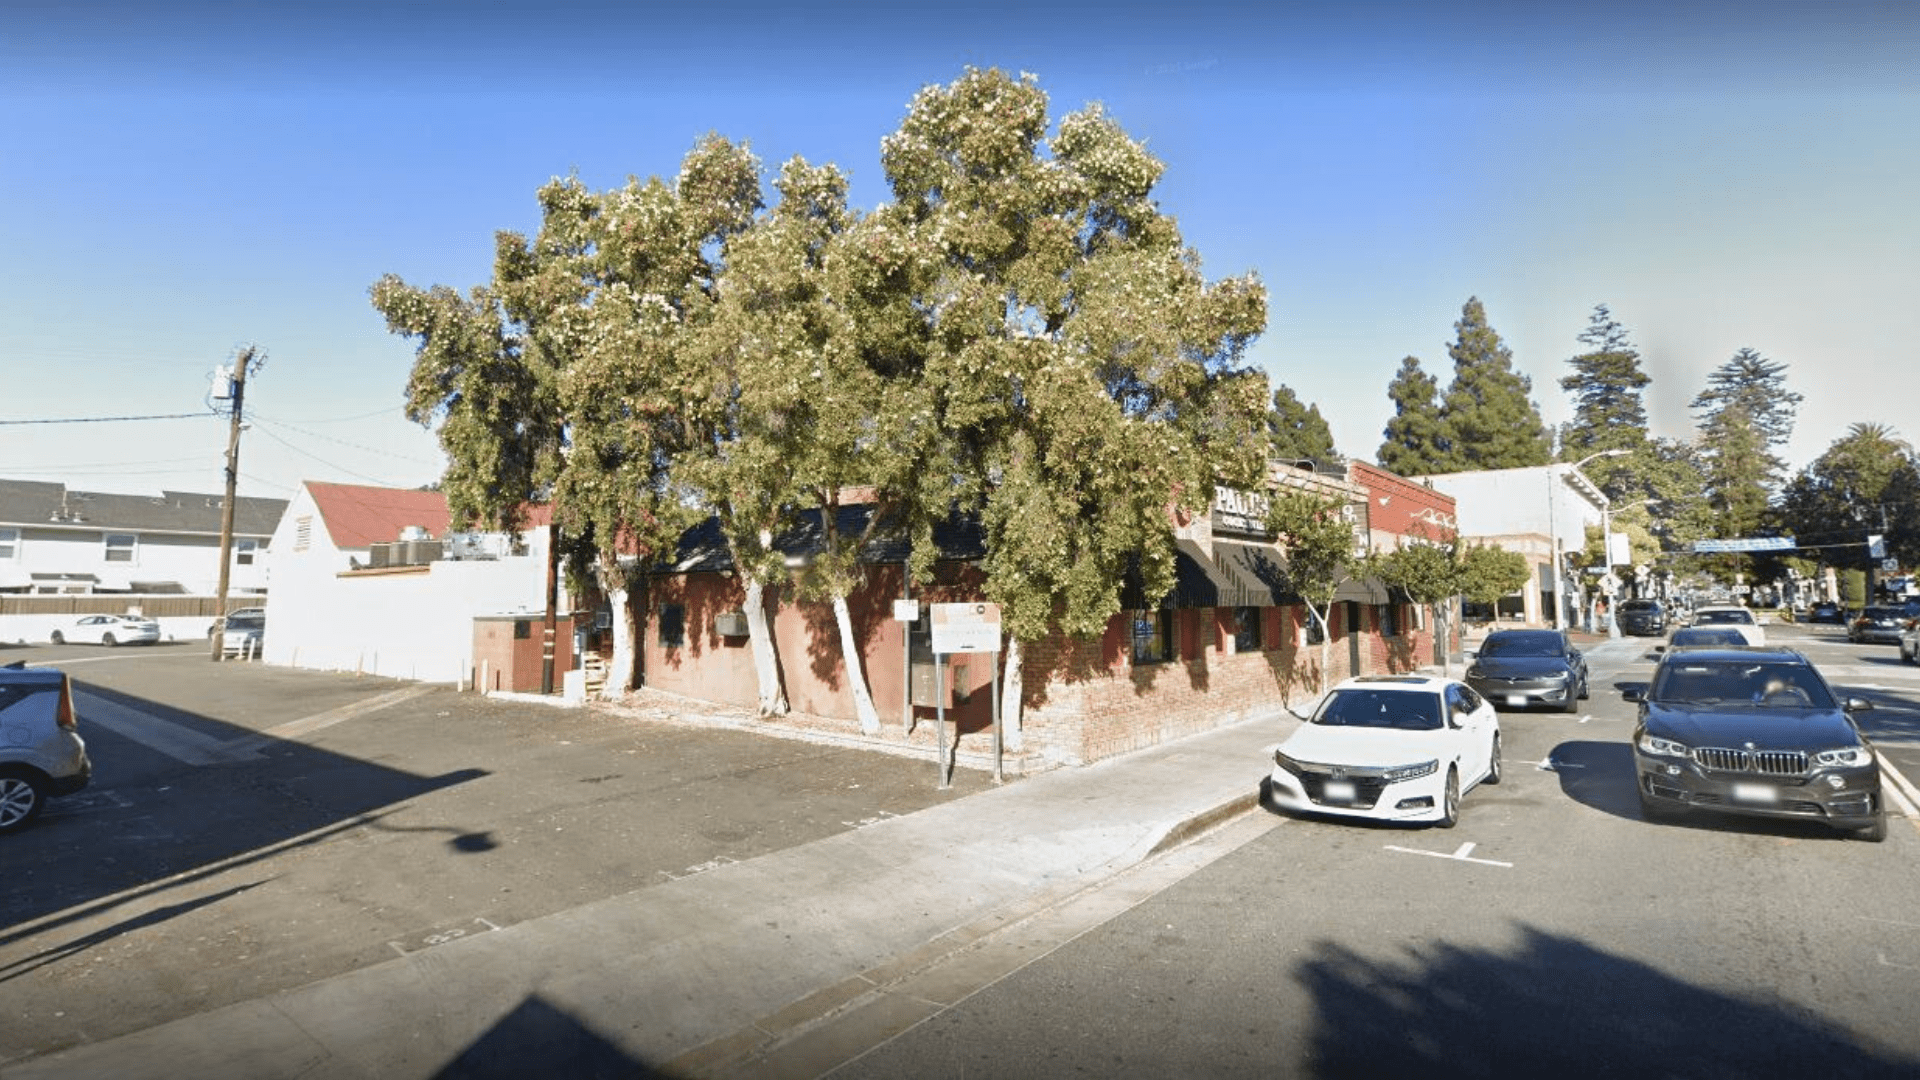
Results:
<point x="1010" y="695"/>
<point x="620" y="666"/>
<point x="766" y="664"/>
<point x="856" y="671"/>
<point x="1326" y="644"/>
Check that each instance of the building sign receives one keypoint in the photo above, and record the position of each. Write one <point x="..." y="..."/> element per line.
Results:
<point x="966" y="628"/>
<point x="1242" y="512"/>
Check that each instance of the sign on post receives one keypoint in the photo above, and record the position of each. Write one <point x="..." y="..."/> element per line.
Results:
<point x="966" y="628"/>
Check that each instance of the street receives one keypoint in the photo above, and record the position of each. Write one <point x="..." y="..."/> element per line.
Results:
<point x="253" y="830"/>
<point x="1551" y="934"/>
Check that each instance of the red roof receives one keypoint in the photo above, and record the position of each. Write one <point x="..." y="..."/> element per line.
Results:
<point x="358" y="516"/>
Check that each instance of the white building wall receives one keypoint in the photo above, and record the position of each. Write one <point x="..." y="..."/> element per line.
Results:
<point x="192" y="561"/>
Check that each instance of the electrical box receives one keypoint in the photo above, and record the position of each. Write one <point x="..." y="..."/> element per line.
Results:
<point x="730" y="624"/>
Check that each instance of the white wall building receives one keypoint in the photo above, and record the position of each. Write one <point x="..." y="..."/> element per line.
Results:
<point x="409" y="617"/>
<point x="1542" y="512"/>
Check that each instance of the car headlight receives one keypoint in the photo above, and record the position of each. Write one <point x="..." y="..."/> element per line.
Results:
<point x="1473" y="672"/>
<point x="1654" y="744"/>
<point x="1847" y="757"/>
<point x="1410" y="772"/>
<point x="1285" y="762"/>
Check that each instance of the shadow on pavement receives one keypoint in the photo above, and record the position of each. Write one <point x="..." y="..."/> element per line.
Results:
<point x="1540" y="1010"/>
<point x="175" y="827"/>
<point x="537" y="1039"/>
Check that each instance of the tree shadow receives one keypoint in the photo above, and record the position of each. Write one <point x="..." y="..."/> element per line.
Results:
<point x="1541" y="1009"/>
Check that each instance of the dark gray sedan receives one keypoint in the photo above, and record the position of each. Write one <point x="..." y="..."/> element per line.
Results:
<point x="1516" y="669"/>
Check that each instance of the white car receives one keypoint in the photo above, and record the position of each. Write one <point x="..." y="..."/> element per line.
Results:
<point x="1734" y="616"/>
<point x="108" y="630"/>
<point x="1390" y="748"/>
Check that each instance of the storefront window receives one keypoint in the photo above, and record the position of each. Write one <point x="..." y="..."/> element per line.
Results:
<point x="1152" y="636"/>
<point x="1246" y="629"/>
<point x="673" y="626"/>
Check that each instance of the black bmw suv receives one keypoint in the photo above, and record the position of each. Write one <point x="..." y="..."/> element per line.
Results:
<point x="1753" y="730"/>
<point x="1642" y="617"/>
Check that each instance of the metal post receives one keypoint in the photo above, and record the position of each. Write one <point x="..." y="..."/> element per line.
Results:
<point x="993" y="683"/>
<point x="940" y="717"/>
<point x="244" y="361"/>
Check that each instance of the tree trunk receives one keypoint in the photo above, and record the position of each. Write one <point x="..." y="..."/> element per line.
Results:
<point x="766" y="664"/>
<point x="1442" y="630"/>
<point x="1010" y="695"/>
<point x="1326" y="644"/>
<point x="856" y="671"/>
<point x="620" y="665"/>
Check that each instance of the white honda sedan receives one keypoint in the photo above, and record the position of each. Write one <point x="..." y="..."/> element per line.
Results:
<point x="1391" y="748"/>
<point x="108" y="630"/>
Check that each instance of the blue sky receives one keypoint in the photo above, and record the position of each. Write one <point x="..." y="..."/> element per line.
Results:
<point x="183" y="178"/>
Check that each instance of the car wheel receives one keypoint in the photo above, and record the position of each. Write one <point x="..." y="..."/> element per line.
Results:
<point x="1586" y="688"/>
<point x="1450" y="801"/>
<point x="57" y="638"/>
<point x="22" y="794"/>
<point x="1873" y="833"/>
<point x="1572" y="704"/>
<point x="107" y="640"/>
<point x="1493" y="763"/>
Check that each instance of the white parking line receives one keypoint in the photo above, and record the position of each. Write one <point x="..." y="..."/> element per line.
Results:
<point x="1903" y="790"/>
<point x="307" y="725"/>
<point x="1460" y="855"/>
<point x="179" y="743"/>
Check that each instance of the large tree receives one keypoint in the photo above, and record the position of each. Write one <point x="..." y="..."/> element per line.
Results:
<point x="1298" y="431"/>
<point x="1608" y="413"/>
<point x="1429" y="572"/>
<point x="1743" y="415"/>
<point x="1489" y="421"/>
<point x="1416" y="439"/>
<point x="1086" y="376"/>
<point x="1866" y="483"/>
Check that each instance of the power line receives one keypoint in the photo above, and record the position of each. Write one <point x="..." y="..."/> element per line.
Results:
<point x="342" y="442"/>
<point x="331" y="465"/>
<point x="110" y="419"/>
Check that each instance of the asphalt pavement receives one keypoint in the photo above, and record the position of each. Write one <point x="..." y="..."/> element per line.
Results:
<point x="697" y="976"/>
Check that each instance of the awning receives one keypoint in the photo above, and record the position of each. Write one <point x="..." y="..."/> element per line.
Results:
<point x="1236" y="575"/>
<point x="1363" y="591"/>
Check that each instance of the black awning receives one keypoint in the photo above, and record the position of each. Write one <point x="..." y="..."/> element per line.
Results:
<point x="1235" y="575"/>
<point x="1363" y="591"/>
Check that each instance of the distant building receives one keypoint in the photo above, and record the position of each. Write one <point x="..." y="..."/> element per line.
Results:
<point x="1542" y="512"/>
<point x="58" y="541"/>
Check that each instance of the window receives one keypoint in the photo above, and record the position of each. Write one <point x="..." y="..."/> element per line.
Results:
<point x="1246" y="629"/>
<point x="9" y="543"/>
<point x="673" y="626"/>
<point x="1388" y="616"/>
<point x="244" y="550"/>
<point x="121" y="547"/>
<point x="1315" y="632"/>
<point x="1152" y="635"/>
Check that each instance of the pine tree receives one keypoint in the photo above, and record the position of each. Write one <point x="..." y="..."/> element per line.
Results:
<point x="1489" y="421"/>
<point x="1298" y="431"/>
<point x="1743" y="414"/>
<point x="1415" y="438"/>
<point x="1608" y="413"/>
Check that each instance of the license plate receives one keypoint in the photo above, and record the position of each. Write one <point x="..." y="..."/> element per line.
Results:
<point x="1338" y="791"/>
<point x="1516" y="701"/>
<point x="1756" y="793"/>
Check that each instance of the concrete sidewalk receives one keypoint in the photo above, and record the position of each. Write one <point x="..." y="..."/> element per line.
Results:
<point x="693" y="976"/>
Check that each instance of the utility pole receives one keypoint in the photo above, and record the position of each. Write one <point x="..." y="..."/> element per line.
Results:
<point x="249" y="357"/>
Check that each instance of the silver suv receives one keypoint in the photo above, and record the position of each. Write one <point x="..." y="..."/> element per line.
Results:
<point x="41" y="752"/>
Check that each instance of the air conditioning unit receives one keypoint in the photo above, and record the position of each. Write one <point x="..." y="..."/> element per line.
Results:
<point x="419" y="552"/>
<point x="731" y="624"/>
<point x="379" y="556"/>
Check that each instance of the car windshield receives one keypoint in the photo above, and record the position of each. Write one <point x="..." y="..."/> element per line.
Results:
<point x="1407" y="710"/>
<point x="1521" y="644"/>
<point x="1782" y="686"/>
<point x="1882" y="613"/>
<point x="1735" y="616"/>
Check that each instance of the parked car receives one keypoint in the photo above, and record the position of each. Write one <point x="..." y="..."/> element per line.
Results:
<point x="1735" y="616"/>
<point x="42" y="755"/>
<point x="1754" y="731"/>
<point x="1877" y="625"/>
<point x="245" y="614"/>
<point x="1518" y="668"/>
<point x="246" y="632"/>
<point x="1643" y="617"/>
<point x="1389" y="747"/>
<point x="108" y="630"/>
<point x="1826" y="612"/>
